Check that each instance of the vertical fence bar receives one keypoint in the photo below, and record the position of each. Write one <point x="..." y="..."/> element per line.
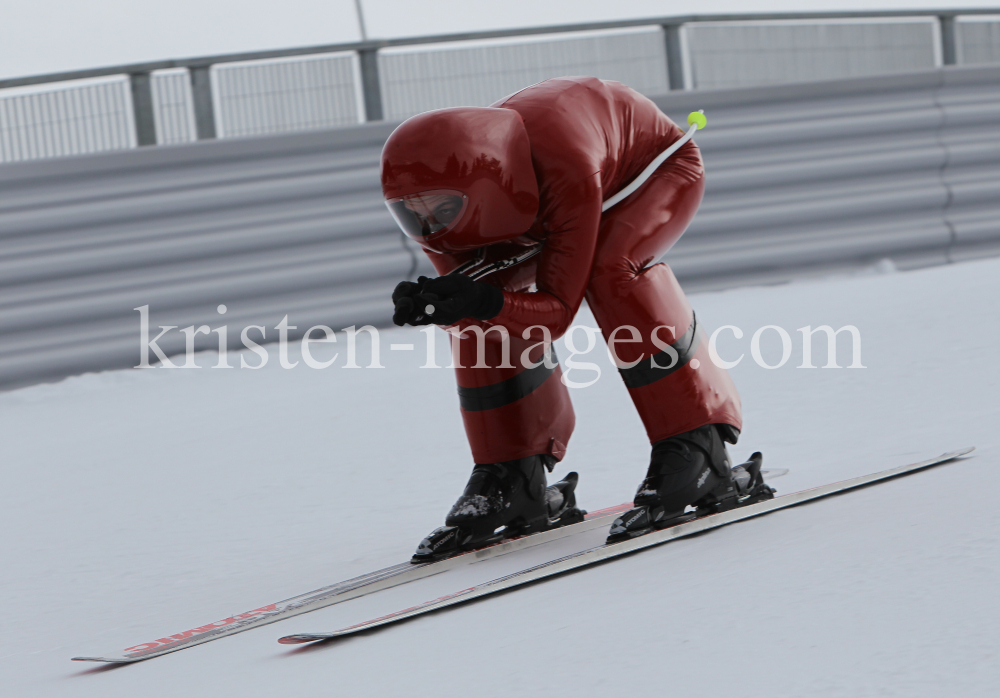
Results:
<point x="675" y="56"/>
<point x="142" y="108"/>
<point x="370" y="84"/>
<point x="949" y="45"/>
<point x="201" y="94"/>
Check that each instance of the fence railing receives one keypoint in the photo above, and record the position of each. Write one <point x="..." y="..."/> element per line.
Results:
<point x="318" y="87"/>
<point x="825" y="175"/>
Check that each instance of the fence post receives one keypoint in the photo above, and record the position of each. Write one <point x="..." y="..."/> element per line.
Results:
<point x="142" y="108"/>
<point x="370" y="84"/>
<point x="949" y="43"/>
<point x="675" y="56"/>
<point x="201" y="94"/>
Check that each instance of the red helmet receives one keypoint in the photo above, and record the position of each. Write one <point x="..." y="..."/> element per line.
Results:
<point x="459" y="179"/>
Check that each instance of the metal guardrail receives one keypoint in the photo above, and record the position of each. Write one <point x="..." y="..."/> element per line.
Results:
<point x="839" y="174"/>
<point x="268" y="226"/>
<point x="813" y="176"/>
<point x="315" y="87"/>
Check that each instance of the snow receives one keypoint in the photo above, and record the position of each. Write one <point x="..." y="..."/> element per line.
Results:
<point x="46" y="36"/>
<point x="140" y="503"/>
<point x="476" y="504"/>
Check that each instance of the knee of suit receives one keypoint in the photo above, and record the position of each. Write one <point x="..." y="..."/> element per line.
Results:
<point x="611" y="283"/>
<point x="644" y="300"/>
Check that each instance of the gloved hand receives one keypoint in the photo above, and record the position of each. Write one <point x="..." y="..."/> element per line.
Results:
<point x="404" y="298"/>
<point x="452" y="298"/>
<point x="455" y="297"/>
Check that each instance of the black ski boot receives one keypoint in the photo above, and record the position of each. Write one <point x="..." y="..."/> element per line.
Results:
<point x="691" y="469"/>
<point x="503" y="500"/>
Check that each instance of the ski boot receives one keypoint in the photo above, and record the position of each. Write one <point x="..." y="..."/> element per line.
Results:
<point x="503" y="500"/>
<point x="691" y="469"/>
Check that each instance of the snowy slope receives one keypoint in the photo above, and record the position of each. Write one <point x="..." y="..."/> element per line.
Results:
<point x="141" y="503"/>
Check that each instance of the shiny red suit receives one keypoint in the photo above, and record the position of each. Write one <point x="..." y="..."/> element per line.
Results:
<point x="579" y="141"/>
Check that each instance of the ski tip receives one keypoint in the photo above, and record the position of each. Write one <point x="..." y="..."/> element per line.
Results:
<point x="106" y="660"/>
<point x="298" y="639"/>
<point x="953" y="455"/>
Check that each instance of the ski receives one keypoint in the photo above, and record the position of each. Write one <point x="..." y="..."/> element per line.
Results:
<point x="353" y="588"/>
<point x="349" y="589"/>
<point x="612" y="550"/>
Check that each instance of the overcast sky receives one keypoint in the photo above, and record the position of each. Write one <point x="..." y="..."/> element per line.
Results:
<point x="45" y="36"/>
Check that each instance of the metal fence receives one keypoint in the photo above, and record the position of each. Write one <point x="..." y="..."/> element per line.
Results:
<point x="287" y="94"/>
<point x="740" y="54"/>
<point x="173" y="108"/>
<point x="85" y="116"/>
<point x="978" y="40"/>
<point x="824" y="175"/>
<point x="415" y="79"/>
<point x="319" y="87"/>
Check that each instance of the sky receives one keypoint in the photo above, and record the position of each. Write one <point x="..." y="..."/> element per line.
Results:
<point x="47" y="36"/>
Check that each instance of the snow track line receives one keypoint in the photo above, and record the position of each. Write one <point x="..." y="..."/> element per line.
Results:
<point x="612" y="550"/>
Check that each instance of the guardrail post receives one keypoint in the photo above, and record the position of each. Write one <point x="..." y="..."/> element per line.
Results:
<point x="370" y="84"/>
<point x="201" y="94"/>
<point x="675" y="56"/>
<point x="949" y="40"/>
<point x="142" y="108"/>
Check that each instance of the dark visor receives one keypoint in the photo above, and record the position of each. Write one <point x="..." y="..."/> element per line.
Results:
<point x="422" y="215"/>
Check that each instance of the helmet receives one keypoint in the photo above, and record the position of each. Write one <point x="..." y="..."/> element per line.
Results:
<point x="459" y="179"/>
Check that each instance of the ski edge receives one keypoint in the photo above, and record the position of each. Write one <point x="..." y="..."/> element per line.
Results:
<point x="608" y="551"/>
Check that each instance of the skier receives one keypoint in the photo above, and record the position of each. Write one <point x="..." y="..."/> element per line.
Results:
<point x="483" y="188"/>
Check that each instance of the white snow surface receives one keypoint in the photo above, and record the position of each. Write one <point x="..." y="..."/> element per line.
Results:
<point x="140" y="503"/>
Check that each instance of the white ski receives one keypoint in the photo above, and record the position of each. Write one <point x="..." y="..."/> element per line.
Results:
<point x="612" y="550"/>
<point x="348" y="589"/>
<point x="358" y="586"/>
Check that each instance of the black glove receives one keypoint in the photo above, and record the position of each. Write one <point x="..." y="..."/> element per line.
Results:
<point x="448" y="299"/>
<point x="404" y="298"/>
<point x="453" y="298"/>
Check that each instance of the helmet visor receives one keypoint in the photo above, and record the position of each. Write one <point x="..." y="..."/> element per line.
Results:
<point x="422" y="215"/>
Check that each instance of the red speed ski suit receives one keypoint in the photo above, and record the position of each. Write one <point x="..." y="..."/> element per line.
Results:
<point x="588" y="139"/>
